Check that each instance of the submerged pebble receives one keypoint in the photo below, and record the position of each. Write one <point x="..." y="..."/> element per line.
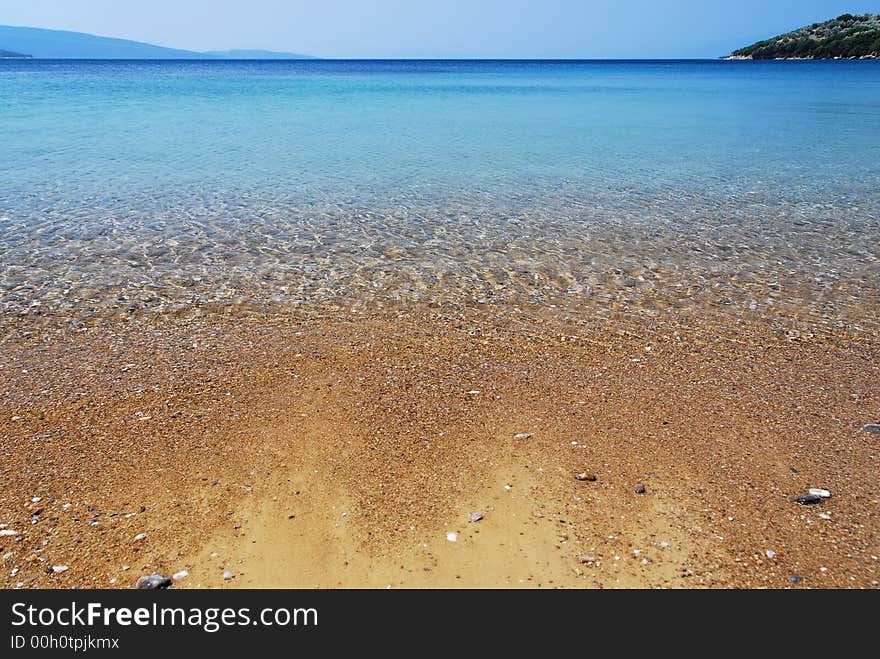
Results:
<point x="640" y="488"/>
<point x="452" y="537"/>
<point x="476" y="517"/>
<point x="872" y="427"/>
<point x="809" y="499"/>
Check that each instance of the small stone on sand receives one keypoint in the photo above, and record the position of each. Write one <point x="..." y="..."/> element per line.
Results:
<point x="154" y="581"/>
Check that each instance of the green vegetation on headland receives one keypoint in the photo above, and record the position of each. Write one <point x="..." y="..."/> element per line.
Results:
<point x="8" y="54"/>
<point x="844" y="37"/>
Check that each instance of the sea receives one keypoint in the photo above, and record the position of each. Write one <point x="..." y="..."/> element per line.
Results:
<point x="569" y="189"/>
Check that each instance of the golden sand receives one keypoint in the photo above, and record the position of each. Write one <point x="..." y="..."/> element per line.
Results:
<point x="333" y="450"/>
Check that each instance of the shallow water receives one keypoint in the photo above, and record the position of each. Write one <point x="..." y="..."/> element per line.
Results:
<point x="752" y="188"/>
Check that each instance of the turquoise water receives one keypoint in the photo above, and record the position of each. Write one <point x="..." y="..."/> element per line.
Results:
<point x="630" y="186"/>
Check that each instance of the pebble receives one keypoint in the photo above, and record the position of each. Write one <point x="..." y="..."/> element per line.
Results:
<point x="587" y="559"/>
<point x="586" y="477"/>
<point x="183" y="574"/>
<point x="824" y="516"/>
<point x="809" y="499"/>
<point x="640" y="489"/>
<point x="228" y="575"/>
<point x="7" y="532"/>
<point x="795" y="578"/>
<point x="476" y="517"/>
<point x="523" y="435"/>
<point x="819" y="492"/>
<point x="872" y="427"/>
<point x="770" y="553"/>
<point x="140" y="536"/>
<point x="155" y="581"/>
<point x="452" y="537"/>
<point x="59" y="568"/>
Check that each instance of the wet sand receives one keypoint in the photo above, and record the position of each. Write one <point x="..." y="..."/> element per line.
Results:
<point x="339" y="450"/>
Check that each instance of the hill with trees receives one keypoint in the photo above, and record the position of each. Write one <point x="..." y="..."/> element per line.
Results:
<point x="845" y="37"/>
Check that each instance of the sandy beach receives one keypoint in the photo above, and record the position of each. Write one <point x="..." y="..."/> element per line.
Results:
<point x="332" y="449"/>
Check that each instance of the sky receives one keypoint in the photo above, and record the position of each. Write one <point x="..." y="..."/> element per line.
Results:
<point x="439" y="28"/>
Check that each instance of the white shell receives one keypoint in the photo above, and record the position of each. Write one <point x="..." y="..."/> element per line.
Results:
<point x="452" y="537"/>
<point x="819" y="492"/>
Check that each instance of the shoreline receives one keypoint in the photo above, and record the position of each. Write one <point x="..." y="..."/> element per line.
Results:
<point x="340" y="450"/>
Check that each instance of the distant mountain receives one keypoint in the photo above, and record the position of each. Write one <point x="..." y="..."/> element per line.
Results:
<point x="7" y="54"/>
<point x="60" y="44"/>
<point x="254" y="54"/>
<point x="844" y="37"/>
<point x="52" y="44"/>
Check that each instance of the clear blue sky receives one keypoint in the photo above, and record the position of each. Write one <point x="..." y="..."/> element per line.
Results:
<point x="438" y="28"/>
